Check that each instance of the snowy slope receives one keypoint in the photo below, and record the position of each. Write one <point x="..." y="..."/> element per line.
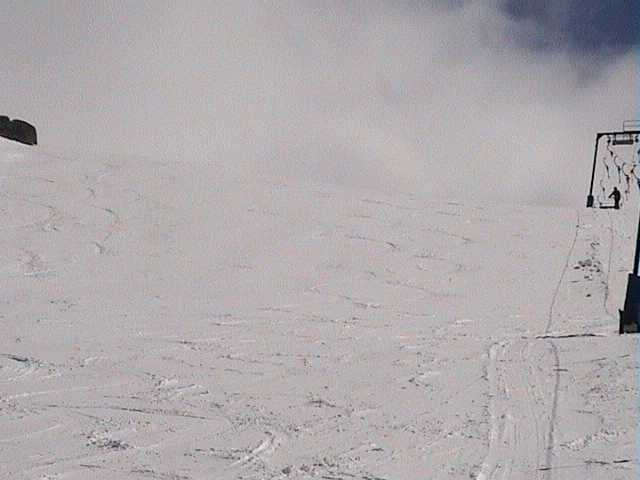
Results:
<point x="161" y="321"/>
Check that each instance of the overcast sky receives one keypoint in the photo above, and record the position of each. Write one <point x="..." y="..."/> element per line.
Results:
<point x="472" y="99"/>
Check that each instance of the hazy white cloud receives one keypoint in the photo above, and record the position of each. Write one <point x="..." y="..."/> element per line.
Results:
<point x="435" y="97"/>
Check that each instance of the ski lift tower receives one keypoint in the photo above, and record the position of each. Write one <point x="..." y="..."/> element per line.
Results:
<point x="614" y="171"/>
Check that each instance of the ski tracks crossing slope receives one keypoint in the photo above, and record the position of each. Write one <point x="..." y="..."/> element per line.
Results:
<point x="523" y="376"/>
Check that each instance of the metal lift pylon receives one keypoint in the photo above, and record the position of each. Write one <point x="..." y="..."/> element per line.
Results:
<point x="630" y="316"/>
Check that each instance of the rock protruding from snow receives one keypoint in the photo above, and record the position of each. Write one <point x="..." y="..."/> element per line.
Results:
<point x="18" y="130"/>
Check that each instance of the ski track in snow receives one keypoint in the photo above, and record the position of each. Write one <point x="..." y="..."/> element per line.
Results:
<point x="525" y="380"/>
<point x="167" y="323"/>
<point x="518" y="418"/>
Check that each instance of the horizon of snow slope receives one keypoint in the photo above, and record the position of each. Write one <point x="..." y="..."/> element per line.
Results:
<point x="162" y="321"/>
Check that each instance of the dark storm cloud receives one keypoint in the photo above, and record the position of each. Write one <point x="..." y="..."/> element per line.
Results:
<point x="579" y="26"/>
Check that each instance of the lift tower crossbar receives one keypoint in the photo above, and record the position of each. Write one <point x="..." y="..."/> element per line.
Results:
<point x="622" y="137"/>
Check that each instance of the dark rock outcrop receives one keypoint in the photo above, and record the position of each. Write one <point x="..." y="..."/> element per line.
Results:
<point x="18" y="130"/>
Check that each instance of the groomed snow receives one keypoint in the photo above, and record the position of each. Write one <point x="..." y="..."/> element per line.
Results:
<point x="162" y="321"/>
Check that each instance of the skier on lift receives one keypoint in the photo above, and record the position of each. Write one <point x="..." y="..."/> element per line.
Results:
<point x="616" y="198"/>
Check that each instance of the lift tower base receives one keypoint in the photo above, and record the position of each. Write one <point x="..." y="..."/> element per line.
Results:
<point x="630" y="316"/>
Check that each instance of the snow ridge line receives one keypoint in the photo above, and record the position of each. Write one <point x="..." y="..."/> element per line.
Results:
<point x="565" y="268"/>
<point x="489" y="463"/>
<point x="548" y="472"/>
<point x="516" y="438"/>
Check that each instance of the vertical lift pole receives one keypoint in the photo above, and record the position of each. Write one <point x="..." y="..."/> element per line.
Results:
<point x="630" y="316"/>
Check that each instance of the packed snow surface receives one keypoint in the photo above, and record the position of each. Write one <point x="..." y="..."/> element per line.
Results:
<point x="167" y="321"/>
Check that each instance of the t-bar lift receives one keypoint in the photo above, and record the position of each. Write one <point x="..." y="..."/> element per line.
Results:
<point x="630" y="316"/>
